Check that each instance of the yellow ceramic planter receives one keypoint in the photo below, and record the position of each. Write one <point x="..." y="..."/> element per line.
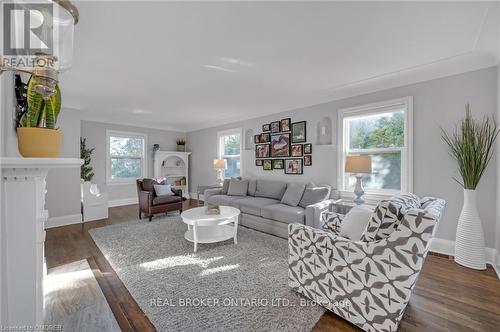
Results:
<point x="39" y="142"/>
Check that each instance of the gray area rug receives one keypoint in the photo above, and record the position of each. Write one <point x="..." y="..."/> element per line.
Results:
<point x="223" y="287"/>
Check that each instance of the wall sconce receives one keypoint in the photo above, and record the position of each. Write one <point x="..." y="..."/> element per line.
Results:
<point x="46" y="67"/>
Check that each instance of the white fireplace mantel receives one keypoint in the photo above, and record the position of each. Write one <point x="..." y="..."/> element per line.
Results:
<point x="23" y="216"/>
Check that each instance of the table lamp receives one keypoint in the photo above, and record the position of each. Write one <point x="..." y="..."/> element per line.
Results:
<point x="358" y="165"/>
<point x="219" y="166"/>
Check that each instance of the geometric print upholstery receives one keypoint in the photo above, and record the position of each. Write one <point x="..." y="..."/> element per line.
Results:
<point x="388" y="215"/>
<point x="366" y="283"/>
<point x="384" y="220"/>
<point x="332" y="222"/>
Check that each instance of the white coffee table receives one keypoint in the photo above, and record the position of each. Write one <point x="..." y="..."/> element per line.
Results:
<point x="204" y="228"/>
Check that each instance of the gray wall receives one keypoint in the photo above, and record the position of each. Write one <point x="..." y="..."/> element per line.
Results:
<point x="63" y="185"/>
<point x="437" y="103"/>
<point x="95" y="132"/>
<point x="497" y="232"/>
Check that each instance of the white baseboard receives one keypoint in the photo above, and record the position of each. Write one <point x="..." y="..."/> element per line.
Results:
<point x="63" y="220"/>
<point x="123" y="201"/>
<point x="447" y="247"/>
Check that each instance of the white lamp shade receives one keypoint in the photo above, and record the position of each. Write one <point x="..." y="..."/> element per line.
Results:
<point x="219" y="164"/>
<point x="358" y="164"/>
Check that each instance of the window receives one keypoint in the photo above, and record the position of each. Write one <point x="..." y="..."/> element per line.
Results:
<point x="126" y="153"/>
<point x="229" y="149"/>
<point x="383" y="131"/>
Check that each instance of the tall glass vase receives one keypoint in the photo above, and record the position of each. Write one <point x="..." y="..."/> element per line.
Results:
<point x="469" y="244"/>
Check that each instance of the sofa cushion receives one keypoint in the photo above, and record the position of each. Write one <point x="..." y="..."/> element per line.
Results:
<point x="293" y="194"/>
<point x="160" y="200"/>
<point x="384" y="220"/>
<point x="237" y="187"/>
<point x="148" y="185"/>
<point x="270" y="189"/>
<point x="225" y="186"/>
<point x="407" y="200"/>
<point x="163" y="190"/>
<point x="284" y="213"/>
<point x="355" y="221"/>
<point x="313" y="195"/>
<point x="252" y="187"/>
<point x="253" y="205"/>
<point x="223" y="200"/>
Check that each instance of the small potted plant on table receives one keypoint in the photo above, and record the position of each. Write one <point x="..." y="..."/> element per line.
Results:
<point x="181" y="145"/>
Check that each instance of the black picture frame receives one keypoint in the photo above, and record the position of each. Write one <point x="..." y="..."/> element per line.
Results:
<point x="267" y="162"/>
<point x="278" y="163"/>
<point x="308" y="160"/>
<point x="265" y="137"/>
<point x="275" y="127"/>
<point x="308" y="148"/>
<point x="256" y="139"/>
<point x="258" y="162"/>
<point x="262" y="146"/>
<point x="266" y="127"/>
<point x="285" y="152"/>
<point x="296" y="150"/>
<point x="299" y="132"/>
<point x="286" y="125"/>
<point x="299" y="162"/>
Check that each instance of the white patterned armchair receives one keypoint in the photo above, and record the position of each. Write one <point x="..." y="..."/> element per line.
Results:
<point x="367" y="282"/>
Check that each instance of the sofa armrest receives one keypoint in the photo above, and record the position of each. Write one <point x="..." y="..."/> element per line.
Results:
<point x="177" y="191"/>
<point x="332" y="221"/>
<point x="210" y="192"/>
<point x="314" y="212"/>
<point x="145" y="200"/>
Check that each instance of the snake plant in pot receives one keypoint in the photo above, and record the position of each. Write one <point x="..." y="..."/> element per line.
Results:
<point x="471" y="145"/>
<point x="37" y="133"/>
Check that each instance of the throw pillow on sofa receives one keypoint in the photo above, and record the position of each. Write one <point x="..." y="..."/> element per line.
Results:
<point x="237" y="187"/>
<point x="384" y="220"/>
<point x="270" y="189"/>
<point x="293" y="194"/>
<point x="163" y="190"/>
<point x="313" y="195"/>
<point x="225" y="185"/>
<point x="355" y="221"/>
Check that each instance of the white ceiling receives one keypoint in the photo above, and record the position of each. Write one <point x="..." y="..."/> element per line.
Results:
<point x="193" y="65"/>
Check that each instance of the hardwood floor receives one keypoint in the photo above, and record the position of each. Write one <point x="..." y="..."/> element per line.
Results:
<point x="447" y="297"/>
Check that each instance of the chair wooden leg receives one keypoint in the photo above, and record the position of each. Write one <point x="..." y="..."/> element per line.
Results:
<point x="140" y="214"/>
<point x="150" y="218"/>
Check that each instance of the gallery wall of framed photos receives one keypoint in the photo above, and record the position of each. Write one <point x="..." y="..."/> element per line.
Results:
<point x="282" y="145"/>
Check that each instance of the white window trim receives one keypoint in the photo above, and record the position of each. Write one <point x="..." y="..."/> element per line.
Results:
<point x="220" y="148"/>
<point x="407" y="162"/>
<point x="109" y="133"/>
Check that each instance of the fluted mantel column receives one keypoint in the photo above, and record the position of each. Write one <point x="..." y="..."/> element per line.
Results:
<point x="23" y="216"/>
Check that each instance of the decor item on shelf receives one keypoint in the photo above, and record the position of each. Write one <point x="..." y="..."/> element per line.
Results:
<point x="266" y="127"/>
<point x="471" y="145"/>
<point x="308" y="148"/>
<point x="258" y="162"/>
<point x="86" y="171"/>
<point x="37" y="134"/>
<point x="156" y="147"/>
<point x="262" y="151"/>
<point x="181" y="144"/>
<point x="219" y="166"/>
<point x="297" y="150"/>
<point x="267" y="165"/>
<point x="278" y="164"/>
<point x="308" y="160"/>
<point x="285" y="124"/>
<point x="294" y="166"/>
<point x="358" y="165"/>
<point x="280" y="145"/>
<point x="299" y="132"/>
<point x="275" y="127"/>
<point x="178" y="163"/>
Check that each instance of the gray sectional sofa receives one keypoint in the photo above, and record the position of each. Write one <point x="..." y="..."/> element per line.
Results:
<point x="270" y="206"/>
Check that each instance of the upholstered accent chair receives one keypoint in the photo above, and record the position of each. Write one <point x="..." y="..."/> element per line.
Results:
<point x="367" y="282"/>
<point x="151" y="204"/>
